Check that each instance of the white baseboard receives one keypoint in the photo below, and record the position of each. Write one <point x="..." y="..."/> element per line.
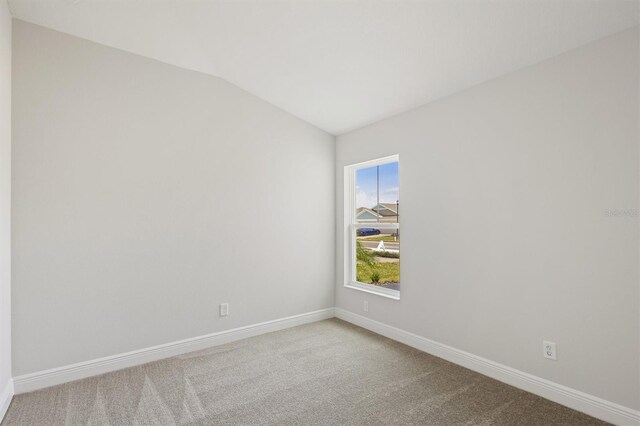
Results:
<point x="580" y="401"/>
<point x="56" y="376"/>
<point x="5" y="398"/>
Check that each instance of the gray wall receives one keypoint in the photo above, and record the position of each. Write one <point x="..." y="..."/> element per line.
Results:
<point x="145" y="195"/>
<point x="5" y="197"/>
<point x="504" y="189"/>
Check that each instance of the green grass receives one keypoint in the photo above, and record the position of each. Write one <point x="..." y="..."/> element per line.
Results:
<point x="389" y="272"/>
<point x="385" y="238"/>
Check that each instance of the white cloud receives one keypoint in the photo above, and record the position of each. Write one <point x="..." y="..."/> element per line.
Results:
<point x="366" y="199"/>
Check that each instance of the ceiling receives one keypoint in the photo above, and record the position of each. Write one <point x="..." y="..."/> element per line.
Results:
<point x="340" y="65"/>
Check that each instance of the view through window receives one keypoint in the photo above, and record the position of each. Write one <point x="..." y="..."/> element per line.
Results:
<point x="375" y="226"/>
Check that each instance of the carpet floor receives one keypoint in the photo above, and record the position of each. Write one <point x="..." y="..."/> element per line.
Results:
<point x="324" y="373"/>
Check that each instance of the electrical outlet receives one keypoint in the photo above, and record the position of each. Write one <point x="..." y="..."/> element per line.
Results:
<point x="224" y="309"/>
<point x="365" y="306"/>
<point x="550" y="350"/>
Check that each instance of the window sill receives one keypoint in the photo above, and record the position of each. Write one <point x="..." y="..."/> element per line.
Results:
<point x="380" y="291"/>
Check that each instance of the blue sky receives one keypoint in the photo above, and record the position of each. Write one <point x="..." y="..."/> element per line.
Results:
<point x="366" y="185"/>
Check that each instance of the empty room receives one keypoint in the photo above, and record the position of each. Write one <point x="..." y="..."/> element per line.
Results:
<point x="319" y="212"/>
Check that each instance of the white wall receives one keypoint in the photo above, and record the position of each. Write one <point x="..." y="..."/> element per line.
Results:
<point x="5" y="204"/>
<point x="504" y="189"/>
<point x="145" y="195"/>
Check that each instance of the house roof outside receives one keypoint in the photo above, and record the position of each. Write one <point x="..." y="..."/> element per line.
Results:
<point x="386" y="209"/>
<point x="386" y="213"/>
<point x="361" y="210"/>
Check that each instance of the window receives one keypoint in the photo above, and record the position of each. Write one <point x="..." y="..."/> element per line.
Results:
<point x="372" y="216"/>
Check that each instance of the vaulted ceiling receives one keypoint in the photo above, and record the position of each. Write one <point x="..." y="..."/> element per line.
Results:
<point x="340" y="65"/>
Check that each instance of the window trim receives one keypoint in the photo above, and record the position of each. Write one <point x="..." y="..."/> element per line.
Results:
<point x="351" y="226"/>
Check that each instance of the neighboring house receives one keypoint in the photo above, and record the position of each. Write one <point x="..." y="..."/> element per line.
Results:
<point x="364" y="214"/>
<point x="386" y="209"/>
<point x="383" y="212"/>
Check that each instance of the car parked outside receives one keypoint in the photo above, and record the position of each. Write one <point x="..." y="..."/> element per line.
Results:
<point x="362" y="232"/>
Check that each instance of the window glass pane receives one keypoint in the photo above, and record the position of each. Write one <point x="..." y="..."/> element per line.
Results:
<point x="376" y="194"/>
<point x="378" y="256"/>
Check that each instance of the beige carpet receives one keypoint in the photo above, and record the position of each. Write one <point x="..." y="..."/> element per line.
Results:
<point x="325" y="373"/>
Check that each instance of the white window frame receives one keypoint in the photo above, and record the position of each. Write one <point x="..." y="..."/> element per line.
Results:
<point x="351" y="226"/>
